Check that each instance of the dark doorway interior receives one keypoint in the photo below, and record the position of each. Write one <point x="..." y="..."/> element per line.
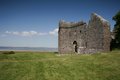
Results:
<point x="75" y="46"/>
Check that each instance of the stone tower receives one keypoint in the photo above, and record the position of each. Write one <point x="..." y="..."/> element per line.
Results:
<point x="82" y="38"/>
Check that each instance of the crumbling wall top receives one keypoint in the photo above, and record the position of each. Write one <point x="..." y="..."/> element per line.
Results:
<point x="62" y="23"/>
<point x="95" y="16"/>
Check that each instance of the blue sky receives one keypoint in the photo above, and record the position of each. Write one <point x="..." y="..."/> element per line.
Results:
<point x="34" y="23"/>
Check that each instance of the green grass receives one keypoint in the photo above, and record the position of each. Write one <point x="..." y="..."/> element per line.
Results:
<point x="51" y="66"/>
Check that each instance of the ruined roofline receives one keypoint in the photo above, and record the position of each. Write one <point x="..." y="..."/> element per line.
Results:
<point x="70" y="24"/>
<point x="94" y="15"/>
<point x="64" y="24"/>
<point x="98" y="16"/>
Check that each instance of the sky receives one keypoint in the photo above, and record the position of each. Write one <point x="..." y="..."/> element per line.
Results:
<point x="34" y="23"/>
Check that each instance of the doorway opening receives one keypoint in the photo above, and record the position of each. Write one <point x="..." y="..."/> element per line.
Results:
<point x="75" y="46"/>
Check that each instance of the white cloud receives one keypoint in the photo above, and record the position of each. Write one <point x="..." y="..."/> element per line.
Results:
<point x="32" y="33"/>
<point x="25" y="33"/>
<point x="15" y="33"/>
<point x="42" y="34"/>
<point x="54" y="32"/>
<point x="7" y="32"/>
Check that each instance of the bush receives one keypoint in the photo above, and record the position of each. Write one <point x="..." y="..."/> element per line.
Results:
<point x="11" y="52"/>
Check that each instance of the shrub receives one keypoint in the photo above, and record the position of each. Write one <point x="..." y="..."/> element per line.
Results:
<point x="11" y="52"/>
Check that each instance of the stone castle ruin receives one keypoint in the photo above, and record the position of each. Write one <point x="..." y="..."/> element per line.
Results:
<point x="84" y="38"/>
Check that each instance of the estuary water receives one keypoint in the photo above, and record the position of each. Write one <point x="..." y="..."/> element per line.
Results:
<point x="41" y="49"/>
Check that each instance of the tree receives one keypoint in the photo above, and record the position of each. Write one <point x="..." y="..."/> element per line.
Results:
<point x="116" y="29"/>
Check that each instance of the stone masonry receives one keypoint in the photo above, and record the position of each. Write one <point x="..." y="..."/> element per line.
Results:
<point x="84" y="38"/>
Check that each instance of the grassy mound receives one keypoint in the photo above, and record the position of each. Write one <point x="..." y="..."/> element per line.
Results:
<point x="51" y="66"/>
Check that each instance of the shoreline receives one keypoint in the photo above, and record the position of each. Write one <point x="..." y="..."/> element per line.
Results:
<point x="28" y="50"/>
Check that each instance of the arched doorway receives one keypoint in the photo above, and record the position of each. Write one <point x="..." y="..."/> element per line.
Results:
<point x="75" y="46"/>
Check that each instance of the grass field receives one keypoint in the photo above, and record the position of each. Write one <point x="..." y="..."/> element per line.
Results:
<point x="51" y="66"/>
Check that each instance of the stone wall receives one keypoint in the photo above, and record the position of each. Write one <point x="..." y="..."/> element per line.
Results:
<point x="68" y="33"/>
<point x="82" y="38"/>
